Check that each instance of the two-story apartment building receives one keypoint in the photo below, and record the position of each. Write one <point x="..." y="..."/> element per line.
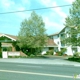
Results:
<point x="58" y="39"/>
<point x="55" y="42"/>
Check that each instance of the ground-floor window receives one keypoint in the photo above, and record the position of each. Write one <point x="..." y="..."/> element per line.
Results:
<point x="56" y="49"/>
<point x="74" y="50"/>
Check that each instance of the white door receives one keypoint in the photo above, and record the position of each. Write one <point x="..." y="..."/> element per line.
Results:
<point x="4" y="54"/>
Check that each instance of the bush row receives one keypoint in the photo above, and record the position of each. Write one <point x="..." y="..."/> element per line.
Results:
<point x="49" y="52"/>
<point x="76" y="57"/>
<point x="62" y="52"/>
<point x="58" y="53"/>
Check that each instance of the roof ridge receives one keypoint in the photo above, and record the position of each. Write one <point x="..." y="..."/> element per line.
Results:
<point x="13" y="37"/>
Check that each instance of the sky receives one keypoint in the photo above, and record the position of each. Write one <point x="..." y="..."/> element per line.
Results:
<point x="54" y="18"/>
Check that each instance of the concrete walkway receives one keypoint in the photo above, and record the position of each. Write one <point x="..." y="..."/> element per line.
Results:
<point x="41" y="61"/>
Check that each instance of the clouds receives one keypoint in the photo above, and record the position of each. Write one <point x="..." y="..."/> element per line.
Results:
<point x="15" y="5"/>
<point x="25" y="1"/>
<point x="52" y="3"/>
<point x="6" y="4"/>
<point x="22" y="15"/>
<point x="54" y="22"/>
<point x="11" y="21"/>
<point x="59" y="11"/>
<point x="70" y="1"/>
<point x="47" y="3"/>
<point x="52" y="26"/>
<point x="53" y="17"/>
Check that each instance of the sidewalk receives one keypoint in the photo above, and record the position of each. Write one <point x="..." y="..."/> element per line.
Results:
<point x="41" y="61"/>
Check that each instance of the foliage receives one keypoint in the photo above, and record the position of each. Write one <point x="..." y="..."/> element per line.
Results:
<point x="60" y="53"/>
<point x="31" y="56"/>
<point x="0" y="54"/>
<point x="77" y="54"/>
<point x="49" y="52"/>
<point x="16" y="46"/>
<point x="32" y="33"/>
<point x="74" y="59"/>
<point x="17" y="56"/>
<point x="65" y="55"/>
<point x="63" y="50"/>
<point x="73" y="23"/>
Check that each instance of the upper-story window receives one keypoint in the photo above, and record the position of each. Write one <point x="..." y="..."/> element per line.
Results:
<point x="62" y="35"/>
<point x="58" y="35"/>
<point x="58" y="42"/>
<point x="55" y="37"/>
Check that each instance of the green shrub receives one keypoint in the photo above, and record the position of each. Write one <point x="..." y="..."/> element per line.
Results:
<point x="65" y="55"/>
<point x="77" y="59"/>
<point x="13" y="56"/>
<point x="23" y="57"/>
<point x="0" y="54"/>
<point x="10" y="57"/>
<point x="49" y="52"/>
<point x="64" y="50"/>
<point x="60" y="53"/>
<point x="16" y="56"/>
<point x="77" y="54"/>
<point x="32" y="55"/>
<point x="28" y="53"/>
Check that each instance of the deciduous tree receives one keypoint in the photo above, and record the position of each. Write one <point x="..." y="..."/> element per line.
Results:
<point x="73" y="23"/>
<point x="32" y="34"/>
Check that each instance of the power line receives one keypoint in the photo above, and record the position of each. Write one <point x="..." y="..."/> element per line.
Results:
<point x="34" y="9"/>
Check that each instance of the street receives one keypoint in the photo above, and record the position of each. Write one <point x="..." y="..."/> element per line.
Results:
<point x="26" y="71"/>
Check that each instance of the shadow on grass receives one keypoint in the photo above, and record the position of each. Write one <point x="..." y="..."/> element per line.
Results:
<point x="40" y="57"/>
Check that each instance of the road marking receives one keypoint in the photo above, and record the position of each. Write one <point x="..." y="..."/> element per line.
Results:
<point x="30" y="66"/>
<point x="40" y="74"/>
<point x="76" y="65"/>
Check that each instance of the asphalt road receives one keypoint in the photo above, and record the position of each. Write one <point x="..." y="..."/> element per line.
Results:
<point x="25" y="71"/>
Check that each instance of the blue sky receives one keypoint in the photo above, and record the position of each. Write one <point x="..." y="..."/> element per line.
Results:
<point x="54" y="18"/>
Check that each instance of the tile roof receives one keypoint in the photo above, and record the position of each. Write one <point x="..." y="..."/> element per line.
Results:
<point x="50" y="43"/>
<point x="9" y="36"/>
<point x="54" y="34"/>
<point x="15" y="37"/>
